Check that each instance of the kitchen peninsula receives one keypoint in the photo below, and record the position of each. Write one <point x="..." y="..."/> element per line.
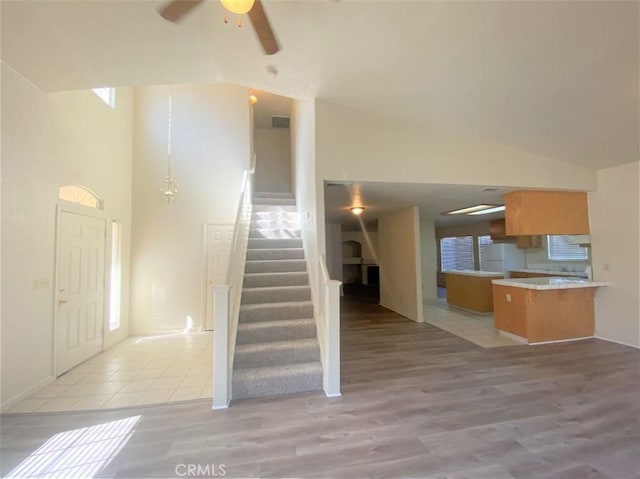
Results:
<point x="471" y="290"/>
<point x="545" y="309"/>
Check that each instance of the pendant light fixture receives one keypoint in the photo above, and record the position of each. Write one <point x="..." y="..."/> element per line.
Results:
<point x="169" y="190"/>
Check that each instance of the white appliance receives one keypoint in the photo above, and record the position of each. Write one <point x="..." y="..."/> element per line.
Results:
<point x="501" y="258"/>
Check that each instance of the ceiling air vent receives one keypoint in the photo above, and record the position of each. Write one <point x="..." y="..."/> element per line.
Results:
<point x="280" y="122"/>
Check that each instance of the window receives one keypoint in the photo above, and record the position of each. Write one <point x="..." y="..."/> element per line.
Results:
<point x="115" y="293"/>
<point x="483" y="240"/>
<point x="559" y="249"/>
<point x="80" y="195"/>
<point x="456" y="253"/>
<point x="107" y="95"/>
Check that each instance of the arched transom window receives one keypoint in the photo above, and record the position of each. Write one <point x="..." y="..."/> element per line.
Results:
<point x="80" y="195"/>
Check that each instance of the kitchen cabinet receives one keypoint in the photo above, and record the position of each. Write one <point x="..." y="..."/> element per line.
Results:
<point x="526" y="242"/>
<point x="497" y="230"/>
<point x="471" y="290"/>
<point x="534" y="212"/>
<point x="545" y="309"/>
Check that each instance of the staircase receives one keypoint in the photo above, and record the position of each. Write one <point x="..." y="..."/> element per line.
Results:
<point x="277" y="350"/>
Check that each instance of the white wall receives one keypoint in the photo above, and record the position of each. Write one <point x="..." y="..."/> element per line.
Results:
<point x="308" y="204"/>
<point x="429" y="258"/>
<point x="334" y="250"/>
<point x="354" y="146"/>
<point x="614" y="214"/>
<point x="273" y="162"/>
<point x="210" y="152"/>
<point x="400" y="263"/>
<point x="51" y="140"/>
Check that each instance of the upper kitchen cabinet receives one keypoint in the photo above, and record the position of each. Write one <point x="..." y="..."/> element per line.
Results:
<point x="546" y="213"/>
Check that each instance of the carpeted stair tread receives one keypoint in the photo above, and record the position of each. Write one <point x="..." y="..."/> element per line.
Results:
<point x="273" y="311"/>
<point x="274" y="243"/>
<point x="273" y="201"/>
<point x="272" y="194"/>
<point x="275" y="294"/>
<point x="273" y="380"/>
<point x="275" y="266"/>
<point x="271" y="353"/>
<point x="284" y="232"/>
<point x="277" y="330"/>
<point x="274" y="254"/>
<point x="263" y="280"/>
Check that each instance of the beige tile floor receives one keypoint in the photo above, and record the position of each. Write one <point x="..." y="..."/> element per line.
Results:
<point x="137" y="371"/>
<point x="473" y="327"/>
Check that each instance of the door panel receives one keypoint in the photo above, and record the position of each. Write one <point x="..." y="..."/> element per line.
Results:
<point x="218" y="243"/>
<point x="80" y="315"/>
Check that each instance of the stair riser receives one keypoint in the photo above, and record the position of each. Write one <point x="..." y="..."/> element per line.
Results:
<point x="273" y="254"/>
<point x="278" y="233"/>
<point x="283" y="295"/>
<point x="274" y="313"/>
<point x="274" y="201"/>
<point x="291" y="355"/>
<point x="295" y="266"/>
<point x="276" y="333"/>
<point x="275" y="279"/>
<point x="270" y="194"/>
<point x="257" y="209"/>
<point x="273" y="386"/>
<point x="258" y="243"/>
<point x="288" y="221"/>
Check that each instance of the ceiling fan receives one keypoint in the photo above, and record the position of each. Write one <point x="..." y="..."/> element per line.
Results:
<point x="174" y="10"/>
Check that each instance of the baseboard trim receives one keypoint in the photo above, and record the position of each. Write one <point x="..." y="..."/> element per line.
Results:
<point x="561" y="341"/>
<point x="333" y="395"/>
<point x="4" y="407"/>
<point x="617" y="342"/>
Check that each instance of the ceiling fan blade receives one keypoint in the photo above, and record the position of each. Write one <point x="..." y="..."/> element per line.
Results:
<point x="263" y="29"/>
<point x="176" y="9"/>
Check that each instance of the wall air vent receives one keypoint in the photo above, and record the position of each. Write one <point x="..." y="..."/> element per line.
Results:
<point x="280" y="122"/>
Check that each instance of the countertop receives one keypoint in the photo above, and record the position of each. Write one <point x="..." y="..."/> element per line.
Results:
<point x="470" y="272"/>
<point x="549" y="283"/>
<point x="579" y="274"/>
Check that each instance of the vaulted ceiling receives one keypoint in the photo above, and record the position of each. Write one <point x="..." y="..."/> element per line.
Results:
<point x="559" y="79"/>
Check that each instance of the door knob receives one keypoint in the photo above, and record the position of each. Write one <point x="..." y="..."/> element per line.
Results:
<point x="63" y="301"/>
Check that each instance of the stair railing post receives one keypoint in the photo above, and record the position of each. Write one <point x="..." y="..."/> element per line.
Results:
<point x="221" y="319"/>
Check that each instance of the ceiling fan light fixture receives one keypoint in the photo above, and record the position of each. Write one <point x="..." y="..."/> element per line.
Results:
<point x="239" y="7"/>
<point x="357" y="210"/>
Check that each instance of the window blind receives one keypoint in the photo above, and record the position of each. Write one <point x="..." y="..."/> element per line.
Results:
<point x="456" y="253"/>
<point x="482" y="240"/>
<point x="559" y="249"/>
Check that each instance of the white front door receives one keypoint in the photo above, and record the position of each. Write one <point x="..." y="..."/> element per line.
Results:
<point x="80" y="283"/>
<point x="218" y="241"/>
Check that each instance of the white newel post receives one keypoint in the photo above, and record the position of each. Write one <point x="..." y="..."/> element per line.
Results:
<point x="221" y="393"/>
<point x="332" y="331"/>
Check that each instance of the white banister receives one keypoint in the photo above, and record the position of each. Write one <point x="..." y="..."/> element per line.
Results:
<point x="329" y="331"/>
<point x="227" y="301"/>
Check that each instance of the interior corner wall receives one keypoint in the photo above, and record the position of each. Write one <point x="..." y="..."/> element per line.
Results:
<point x="614" y="215"/>
<point x="334" y="250"/>
<point x="211" y="148"/>
<point x="273" y="159"/>
<point x="52" y="140"/>
<point x="429" y="258"/>
<point x="400" y="263"/>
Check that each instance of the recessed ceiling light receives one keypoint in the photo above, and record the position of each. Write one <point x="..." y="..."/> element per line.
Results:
<point x="470" y="209"/>
<point x="357" y="210"/>
<point x="487" y="211"/>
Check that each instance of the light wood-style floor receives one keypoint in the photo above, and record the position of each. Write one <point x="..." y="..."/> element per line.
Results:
<point x="417" y="402"/>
